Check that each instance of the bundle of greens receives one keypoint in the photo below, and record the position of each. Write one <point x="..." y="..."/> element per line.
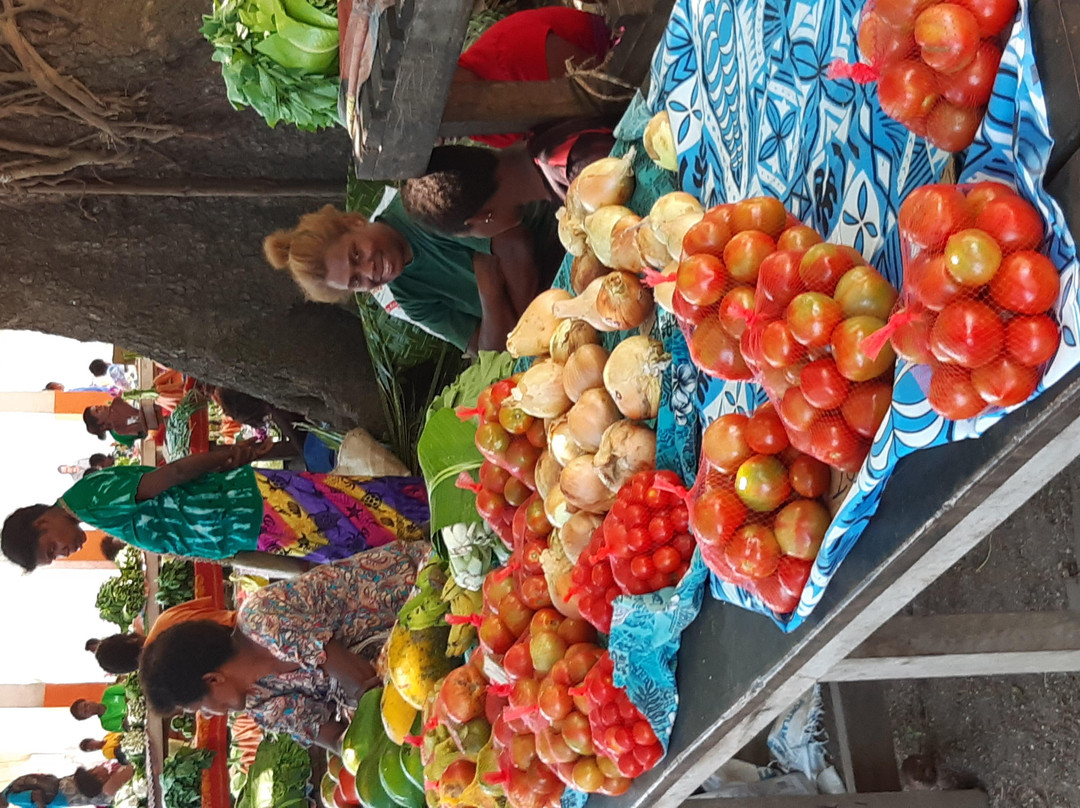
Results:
<point x="122" y="597"/>
<point x="176" y="582"/>
<point x="279" y="776"/>
<point x="279" y="57"/>
<point x="181" y="777"/>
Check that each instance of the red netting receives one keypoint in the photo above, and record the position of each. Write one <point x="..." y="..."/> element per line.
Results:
<point x="530" y="532"/>
<point x="593" y="583"/>
<point x="813" y="309"/>
<point x="934" y="63"/>
<point x="620" y="732"/>
<point x="504" y="614"/>
<point x="977" y="305"/>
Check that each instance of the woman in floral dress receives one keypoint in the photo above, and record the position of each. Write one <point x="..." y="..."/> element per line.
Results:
<point x="301" y="653"/>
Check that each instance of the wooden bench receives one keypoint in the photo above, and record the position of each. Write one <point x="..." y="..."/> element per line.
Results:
<point x="410" y="99"/>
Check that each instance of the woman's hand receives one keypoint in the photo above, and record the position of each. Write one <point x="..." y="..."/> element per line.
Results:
<point x="245" y="452"/>
<point x="354" y="674"/>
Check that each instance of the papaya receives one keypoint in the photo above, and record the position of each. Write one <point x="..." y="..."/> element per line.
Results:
<point x="394" y="780"/>
<point x="368" y="785"/>
<point x="398" y="715"/>
<point x="417" y="660"/>
<point x="411" y="765"/>
<point x="326" y="790"/>
<point x="363" y="732"/>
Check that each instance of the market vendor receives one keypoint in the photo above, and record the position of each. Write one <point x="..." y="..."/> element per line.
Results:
<point x="301" y="653"/>
<point x="468" y="291"/>
<point x="123" y="419"/>
<point x="214" y="505"/>
<point x="119" y="653"/>
<point x="109" y="746"/>
<point x="95" y="786"/>
<point x="110" y="711"/>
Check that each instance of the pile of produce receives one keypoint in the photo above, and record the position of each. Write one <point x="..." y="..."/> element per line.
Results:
<point x="279" y="57"/>
<point x="181" y="777"/>
<point x="978" y="296"/>
<point x="175" y="583"/>
<point x="278" y="777"/>
<point x="121" y="598"/>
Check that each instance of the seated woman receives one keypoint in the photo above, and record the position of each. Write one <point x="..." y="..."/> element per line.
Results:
<point x="214" y="505"/>
<point x="470" y="292"/>
<point x="301" y="653"/>
<point x="95" y="786"/>
<point x="123" y="419"/>
<point x="533" y="45"/>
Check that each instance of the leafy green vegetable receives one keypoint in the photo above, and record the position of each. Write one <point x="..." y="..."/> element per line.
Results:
<point x="489" y="367"/>
<point x="181" y="777"/>
<point x="280" y="58"/>
<point x="176" y="582"/>
<point x="278" y="777"/>
<point x="121" y="598"/>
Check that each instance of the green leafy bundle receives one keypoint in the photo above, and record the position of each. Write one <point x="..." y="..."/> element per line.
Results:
<point x="278" y="777"/>
<point x="122" y="597"/>
<point x="279" y="57"/>
<point x="181" y="777"/>
<point x="176" y="582"/>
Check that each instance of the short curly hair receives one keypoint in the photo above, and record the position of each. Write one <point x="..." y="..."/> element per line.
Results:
<point x="172" y="667"/>
<point x="19" y="537"/>
<point x="93" y="425"/>
<point x="458" y="181"/>
<point x="119" y="653"/>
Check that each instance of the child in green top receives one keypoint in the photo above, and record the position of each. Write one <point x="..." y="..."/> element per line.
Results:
<point x="111" y="710"/>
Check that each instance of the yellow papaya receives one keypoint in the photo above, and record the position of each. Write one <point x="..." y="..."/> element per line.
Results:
<point x="416" y="660"/>
<point x="397" y="714"/>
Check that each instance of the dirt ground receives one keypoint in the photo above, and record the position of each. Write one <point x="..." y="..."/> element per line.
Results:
<point x="1018" y="735"/>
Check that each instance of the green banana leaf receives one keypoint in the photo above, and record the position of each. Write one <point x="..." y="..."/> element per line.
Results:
<point x="309" y="38"/>
<point x="446" y="449"/>
<point x="286" y="54"/>
<point x="305" y="12"/>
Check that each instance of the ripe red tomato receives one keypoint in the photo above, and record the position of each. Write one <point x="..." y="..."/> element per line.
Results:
<point x="798" y="237"/>
<point x="823" y="265"/>
<point x="850" y="359"/>
<point x="973" y="85"/>
<point x="932" y="213"/>
<point x="764" y="213"/>
<point x="762" y="483"/>
<point x="912" y="340"/>
<point x="709" y="236"/>
<point x="864" y="290"/>
<point x="832" y="442"/>
<point x="901" y="13"/>
<point x="951" y="127"/>
<point x="495" y="636"/>
<point x="882" y="44"/>
<point x="981" y="193"/>
<point x="967" y="333"/>
<point x="773" y="595"/>
<point x="809" y="476"/>
<point x="1027" y="283"/>
<point x="1012" y="221"/>
<point x="753" y="551"/>
<point x="717" y="353"/>
<point x="1032" y="340"/>
<point x="992" y="15"/>
<point x="1005" y="382"/>
<point x="812" y="316"/>
<point x="745" y="252"/>
<point x="687" y="314"/>
<point x="701" y="279"/>
<point x="972" y="257"/>
<point x="793" y="574"/>
<point x="778" y="346"/>
<point x="822" y="384"/>
<point x="778" y="279"/>
<point x="952" y="394"/>
<point x="765" y="432"/>
<point x="948" y="36"/>
<point x="933" y="284"/>
<point x="907" y="91"/>
<point x="798" y="413"/>
<point x="800" y="528"/>
<point x="716" y="514"/>
<point x="735" y="308"/>
<point x="723" y="444"/>
<point x="866" y="407"/>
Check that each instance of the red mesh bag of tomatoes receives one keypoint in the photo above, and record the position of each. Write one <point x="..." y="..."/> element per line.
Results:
<point x="934" y="63"/>
<point x="646" y="534"/>
<point x="757" y="509"/>
<point x="977" y="305"/>
<point x="593" y="584"/>
<point x="813" y="308"/>
<point x="504" y="616"/>
<point x="715" y="281"/>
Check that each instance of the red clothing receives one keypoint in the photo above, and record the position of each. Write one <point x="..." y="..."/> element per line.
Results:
<point x="515" y="49"/>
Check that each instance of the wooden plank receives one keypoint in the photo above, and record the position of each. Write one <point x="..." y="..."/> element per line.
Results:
<point x="152" y="563"/>
<point x="864" y="736"/>
<point x="489" y="107"/>
<point x="898" y="799"/>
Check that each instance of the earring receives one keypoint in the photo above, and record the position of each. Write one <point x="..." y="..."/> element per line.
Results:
<point x="488" y="218"/>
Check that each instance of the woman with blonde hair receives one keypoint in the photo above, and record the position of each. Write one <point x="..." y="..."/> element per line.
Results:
<point x="469" y="291"/>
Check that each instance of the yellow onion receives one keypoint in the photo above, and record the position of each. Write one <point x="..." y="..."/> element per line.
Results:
<point x="578" y="532"/>
<point x="593" y="413"/>
<point x="675" y="231"/>
<point x="562" y="445"/>
<point x="547" y="473"/>
<point x="558" y="569"/>
<point x="625" y="449"/>
<point x="539" y="391"/>
<point x="664" y="292"/>
<point x="584" y="269"/>
<point x="653" y="251"/>
<point x="668" y="208"/>
<point x="608" y="181"/>
<point x="582" y="487"/>
<point x="623" y="300"/>
<point x="556" y="508"/>
<point x="659" y="141"/>
<point x="534" y="330"/>
<point x="625" y="252"/>
<point x="569" y="335"/>
<point x="599" y="227"/>
<point x="571" y="232"/>
<point x="632" y="376"/>
<point x="584" y="370"/>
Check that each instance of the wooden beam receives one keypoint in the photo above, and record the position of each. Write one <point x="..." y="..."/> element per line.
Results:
<point x="896" y="799"/>
<point x="489" y="107"/>
<point x="965" y="645"/>
<point x="864" y="737"/>
<point x="194" y="188"/>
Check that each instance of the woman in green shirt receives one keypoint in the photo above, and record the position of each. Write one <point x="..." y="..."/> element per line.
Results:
<point x="214" y="505"/>
<point x="111" y="710"/>
<point x="469" y="291"/>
